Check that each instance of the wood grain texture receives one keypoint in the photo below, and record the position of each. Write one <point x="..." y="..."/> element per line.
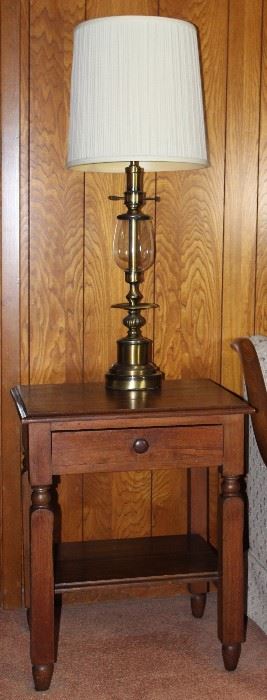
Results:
<point x="106" y="8"/>
<point x="97" y="510"/>
<point x="169" y="502"/>
<point x="56" y="220"/>
<point x="10" y="359"/>
<point x="230" y="591"/>
<point x="198" y="505"/>
<point x="243" y="92"/>
<point x="213" y="491"/>
<point x="148" y="590"/>
<point x="261" y="263"/>
<point x="119" y="449"/>
<point x="104" y="283"/>
<point x="117" y="505"/>
<point x="190" y="221"/>
<point x="56" y="202"/>
<point x="42" y="616"/>
<point x="70" y="497"/>
<point x="131" y="505"/>
<point x="24" y="191"/>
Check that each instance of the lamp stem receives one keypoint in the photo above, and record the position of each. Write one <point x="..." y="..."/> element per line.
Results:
<point x="134" y="368"/>
<point x="134" y="200"/>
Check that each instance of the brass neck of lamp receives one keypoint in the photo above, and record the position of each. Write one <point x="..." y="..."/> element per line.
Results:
<point x="134" y="196"/>
<point x="134" y="368"/>
<point x="134" y="199"/>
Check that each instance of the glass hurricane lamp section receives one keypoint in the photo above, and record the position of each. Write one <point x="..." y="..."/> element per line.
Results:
<point x="124" y="255"/>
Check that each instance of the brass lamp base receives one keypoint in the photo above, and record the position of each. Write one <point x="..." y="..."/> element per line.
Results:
<point x="134" y="369"/>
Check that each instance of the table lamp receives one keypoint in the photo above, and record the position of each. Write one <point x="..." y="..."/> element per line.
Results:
<point x="136" y="103"/>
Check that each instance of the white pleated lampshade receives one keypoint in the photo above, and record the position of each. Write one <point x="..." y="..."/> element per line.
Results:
<point x="136" y="95"/>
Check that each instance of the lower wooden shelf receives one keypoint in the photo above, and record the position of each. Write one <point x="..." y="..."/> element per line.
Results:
<point x="85" y="564"/>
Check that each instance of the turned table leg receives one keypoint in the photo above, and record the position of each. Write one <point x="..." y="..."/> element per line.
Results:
<point x="198" y="519"/>
<point x="42" y="588"/>
<point x="231" y="653"/>
<point x="198" y="598"/>
<point x="231" y="570"/>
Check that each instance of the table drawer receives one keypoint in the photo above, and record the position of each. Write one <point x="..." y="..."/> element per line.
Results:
<point x="136" y="448"/>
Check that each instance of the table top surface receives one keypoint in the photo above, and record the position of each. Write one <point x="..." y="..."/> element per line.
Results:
<point x="179" y="397"/>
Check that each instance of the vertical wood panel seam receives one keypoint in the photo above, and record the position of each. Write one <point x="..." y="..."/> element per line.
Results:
<point x="29" y="68"/>
<point x="244" y="64"/>
<point x="83" y="304"/>
<point x="83" y="317"/>
<point x="10" y="350"/>
<point x="224" y="189"/>
<point x="1" y="465"/>
<point x="28" y="192"/>
<point x="29" y="196"/>
<point x="83" y="312"/>
<point x="258" y="167"/>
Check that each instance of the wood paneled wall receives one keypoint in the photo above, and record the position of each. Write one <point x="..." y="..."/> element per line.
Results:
<point x="58" y="276"/>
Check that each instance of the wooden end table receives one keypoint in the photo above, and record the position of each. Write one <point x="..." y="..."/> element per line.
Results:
<point x="81" y="428"/>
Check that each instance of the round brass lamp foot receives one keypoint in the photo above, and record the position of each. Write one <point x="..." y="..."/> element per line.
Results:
<point x="133" y="378"/>
<point x="134" y="369"/>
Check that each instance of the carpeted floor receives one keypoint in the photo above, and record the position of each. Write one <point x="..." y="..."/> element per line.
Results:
<point x="134" y="650"/>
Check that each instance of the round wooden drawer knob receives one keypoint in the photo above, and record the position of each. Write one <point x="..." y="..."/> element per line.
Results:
<point x="140" y="445"/>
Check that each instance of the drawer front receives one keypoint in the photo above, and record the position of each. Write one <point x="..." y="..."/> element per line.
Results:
<point x="136" y="448"/>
